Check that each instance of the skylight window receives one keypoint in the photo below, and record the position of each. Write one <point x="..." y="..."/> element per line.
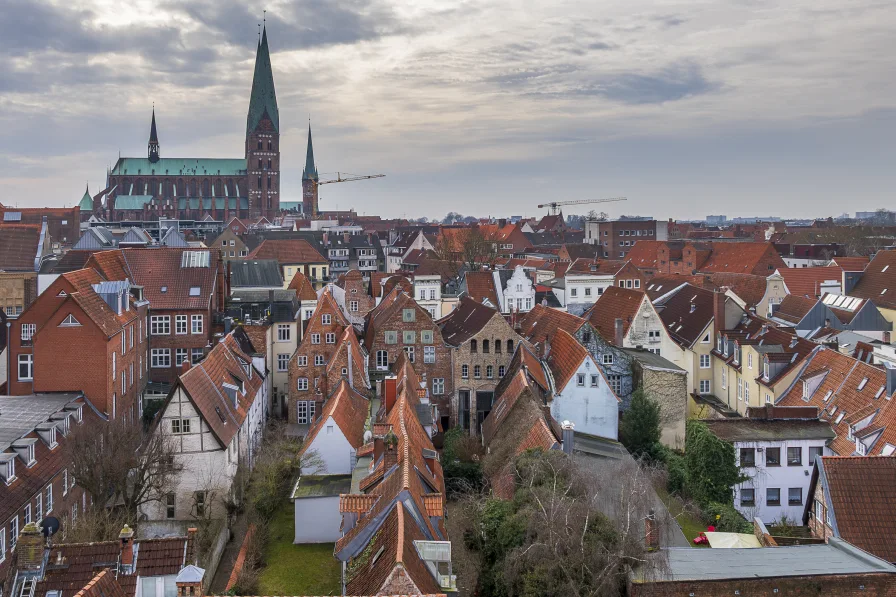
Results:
<point x="884" y="291"/>
<point x="886" y="267"/>
<point x="828" y="395"/>
<point x="194" y="291"/>
<point x="164" y="289"/>
<point x="839" y="418"/>
<point x="862" y="384"/>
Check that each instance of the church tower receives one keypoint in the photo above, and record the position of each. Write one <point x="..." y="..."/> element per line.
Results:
<point x="309" y="181"/>
<point x="263" y="138"/>
<point x="153" y="140"/>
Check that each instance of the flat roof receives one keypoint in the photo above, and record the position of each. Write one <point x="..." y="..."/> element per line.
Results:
<point x="652" y="360"/>
<point x="835" y="557"/>
<point x="19" y="415"/>
<point x="312" y="486"/>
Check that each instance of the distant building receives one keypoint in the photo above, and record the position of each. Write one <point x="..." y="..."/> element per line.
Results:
<point x="716" y="220"/>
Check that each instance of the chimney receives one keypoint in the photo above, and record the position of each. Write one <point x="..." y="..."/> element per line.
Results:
<point x="30" y="548"/>
<point x="618" y="334"/>
<point x="891" y="378"/>
<point x="379" y="446"/>
<point x="390" y="392"/>
<point x="718" y="311"/>
<point x="228" y="325"/>
<point x="568" y="436"/>
<point x="390" y="454"/>
<point x="191" y="545"/>
<point x="127" y="549"/>
<point x="189" y="580"/>
<point x="651" y="532"/>
<point x="185" y="366"/>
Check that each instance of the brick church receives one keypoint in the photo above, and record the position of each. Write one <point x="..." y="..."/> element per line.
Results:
<point x="153" y="187"/>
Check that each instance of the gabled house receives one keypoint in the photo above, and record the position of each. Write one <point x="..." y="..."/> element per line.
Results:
<point x="305" y="294"/>
<point x="833" y="311"/>
<point x="851" y="499"/>
<point x="105" y="318"/>
<point x="877" y="283"/>
<point x="333" y="442"/>
<point x="358" y="299"/>
<point x="582" y="394"/>
<point x="508" y="291"/>
<point x="399" y="325"/>
<point x="295" y="255"/>
<point x="231" y="244"/>
<point x="627" y="319"/>
<point x="214" y="417"/>
<point x="484" y="344"/>
<point x="393" y="531"/>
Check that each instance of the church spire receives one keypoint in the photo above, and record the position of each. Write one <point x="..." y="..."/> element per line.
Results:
<point x="310" y="171"/>
<point x="263" y="99"/>
<point x="153" y="139"/>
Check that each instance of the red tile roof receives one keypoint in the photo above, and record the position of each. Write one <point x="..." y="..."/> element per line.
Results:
<point x="204" y="383"/>
<point x="644" y="254"/>
<point x="304" y="290"/>
<point x="742" y="258"/>
<point x="615" y="303"/>
<point x="287" y="251"/>
<point x="103" y="584"/>
<point x="687" y="313"/>
<point x="861" y="492"/>
<point x="481" y="286"/>
<point x="851" y="264"/>
<point x="878" y="283"/>
<point x="349" y="410"/>
<point x="806" y="281"/>
<point x="565" y="358"/>
<point x="794" y="308"/>
<point x="19" y="247"/>
<point x="541" y="323"/>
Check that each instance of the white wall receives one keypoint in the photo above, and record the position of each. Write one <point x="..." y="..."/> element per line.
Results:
<point x="762" y="477"/>
<point x="519" y="293"/>
<point x="334" y="449"/>
<point x="586" y="288"/>
<point x="593" y="410"/>
<point x="317" y="520"/>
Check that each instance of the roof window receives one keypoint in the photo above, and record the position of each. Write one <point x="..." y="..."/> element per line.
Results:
<point x="862" y="384"/>
<point x="163" y="289"/>
<point x="194" y="291"/>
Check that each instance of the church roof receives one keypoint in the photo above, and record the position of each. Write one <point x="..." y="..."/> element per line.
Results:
<point x="153" y="134"/>
<point x="310" y="171"/>
<point x="263" y="99"/>
<point x="180" y="166"/>
<point x="132" y="201"/>
<point x="86" y="203"/>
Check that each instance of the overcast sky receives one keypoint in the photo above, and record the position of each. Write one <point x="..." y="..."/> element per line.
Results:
<point x="739" y="107"/>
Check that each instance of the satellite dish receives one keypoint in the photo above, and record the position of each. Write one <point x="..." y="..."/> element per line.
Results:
<point x="49" y="526"/>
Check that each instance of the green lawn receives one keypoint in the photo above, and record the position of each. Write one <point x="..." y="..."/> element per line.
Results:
<point x="690" y="525"/>
<point x="297" y="569"/>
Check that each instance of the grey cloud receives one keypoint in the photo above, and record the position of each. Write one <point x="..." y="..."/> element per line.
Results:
<point x="674" y="82"/>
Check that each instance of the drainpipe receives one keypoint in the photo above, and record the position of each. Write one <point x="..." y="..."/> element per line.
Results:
<point x="9" y="360"/>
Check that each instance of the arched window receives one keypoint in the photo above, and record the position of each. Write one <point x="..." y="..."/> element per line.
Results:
<point x="473" y="347"/>
<point x="485" y="346"/>
<point x="180" y="188"/>
<point x="510" y="346"/>
<point x="497" y="347"/>
<point x="259" y="143"/>
<point x="269" y="145"/>
<point x="206" y="191"/>
<point x="219" y="188"/>
<point x="193" y="192"/>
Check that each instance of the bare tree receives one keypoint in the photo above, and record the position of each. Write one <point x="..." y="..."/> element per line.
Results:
<point x="122" y="466"/>
<point x="478" y="248"/>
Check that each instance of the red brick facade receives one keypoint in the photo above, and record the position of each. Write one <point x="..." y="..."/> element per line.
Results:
<point x="358" y="300"/>
<point x="104" y="355"/>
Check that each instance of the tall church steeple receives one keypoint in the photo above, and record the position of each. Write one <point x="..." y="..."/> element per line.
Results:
<point x="153" y="139"/>
<point x="263" y="138"/>
<point x="309" y="180"/>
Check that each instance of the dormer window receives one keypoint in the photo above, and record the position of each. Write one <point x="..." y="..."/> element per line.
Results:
<point x="765" y="373"/>
<point x="860" y="448"/>
<point x="8" y="468"/>
<point x="806" y="391"/>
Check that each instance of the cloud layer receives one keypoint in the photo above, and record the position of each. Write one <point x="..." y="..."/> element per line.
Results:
<point x="744" y="108"/>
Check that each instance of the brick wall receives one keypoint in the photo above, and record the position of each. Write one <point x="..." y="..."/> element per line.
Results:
<point x="172" y="340"/>
<point x="356" y="290"/>
<point x="864" y="585"/>
<point x="496" y="330"/>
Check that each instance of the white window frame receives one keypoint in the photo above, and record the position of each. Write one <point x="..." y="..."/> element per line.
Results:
<point x="160" y="358"/>
<point x="438" y="386"/>
<point x="429" y="354"/>
<point x="708" y="389"/>
<point x="160" y="325"/>
<point x="196" y="324"/>
<point x="302" y="384"/>
<point x="705" y="362"/>
<point x="283" y="361"/>
<point x="180" y="325"/>
<point x="284" y="332"/>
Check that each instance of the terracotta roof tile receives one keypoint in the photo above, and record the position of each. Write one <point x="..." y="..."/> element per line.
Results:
<point x="794" y="308"/>
<point x="861" y="492"/>
<point x="742" y="258"/>
<point x="565" y="357"/>
<point x="350" y="411"/>
<point x="103" y="584"/>
<point x="303" y="287"/>
<point x="806" y="282"/>
<point x="878" y="283"/>
<point x="287" y="251"/>
<point x="615" y="303"/>
<point x="541" y="323"/>
<point x="481" y="286"/>
<point x="851" y="264"/>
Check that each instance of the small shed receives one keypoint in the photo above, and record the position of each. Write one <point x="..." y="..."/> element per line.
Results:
<point x="316" y="499"/>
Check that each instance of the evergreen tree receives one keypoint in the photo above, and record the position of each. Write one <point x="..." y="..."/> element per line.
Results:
<point x="640" y="427"/>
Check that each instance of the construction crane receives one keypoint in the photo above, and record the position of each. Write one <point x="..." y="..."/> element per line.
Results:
<point x="348" y="178"/>
<point x="556" y="204"/>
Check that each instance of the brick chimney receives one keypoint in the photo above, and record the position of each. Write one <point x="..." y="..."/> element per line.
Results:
<point x="30" y="548"/>
<point x="651" y="532"/>
<point x="185" y="366"/>
<point x="379" y="446"/>
<point x="127" y="549"/>
<point x="191" y="545"/>
<point x="390" y="393"/>
<point x="390" y="454"/>
<point x="189" y="580"/>
<point x="618" y="335"/>
<point x="718" y="311"/>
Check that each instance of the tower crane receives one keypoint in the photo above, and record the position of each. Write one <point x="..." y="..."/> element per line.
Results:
<point x="348" y="178"/>
<point x="556" y="204"/>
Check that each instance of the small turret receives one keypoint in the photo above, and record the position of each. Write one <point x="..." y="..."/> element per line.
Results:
<point x="153" y="140"/>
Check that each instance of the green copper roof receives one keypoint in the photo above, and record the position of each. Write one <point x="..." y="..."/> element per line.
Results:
<point x="263" y="98"/>
<point x="310" y="171"/>
<point x="179" y="167"/>
<point x="132" y="201"/>
<point x="86" y="203"/>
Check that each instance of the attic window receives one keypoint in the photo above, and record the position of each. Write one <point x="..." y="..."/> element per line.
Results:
<point x="862" y="384"/>
<point x="194" y="291"/>
<point x="377" y="555"/>
<point x="884" y="291"/>
<point x="69" y="321"/>
<point x="886" y="267"/>
<point x="879" y="392"/>
<point x="839" y="418"/>
<point x="828" y="395"/>
<point x="164" y="289"/>
<point x="62" y="294"/>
